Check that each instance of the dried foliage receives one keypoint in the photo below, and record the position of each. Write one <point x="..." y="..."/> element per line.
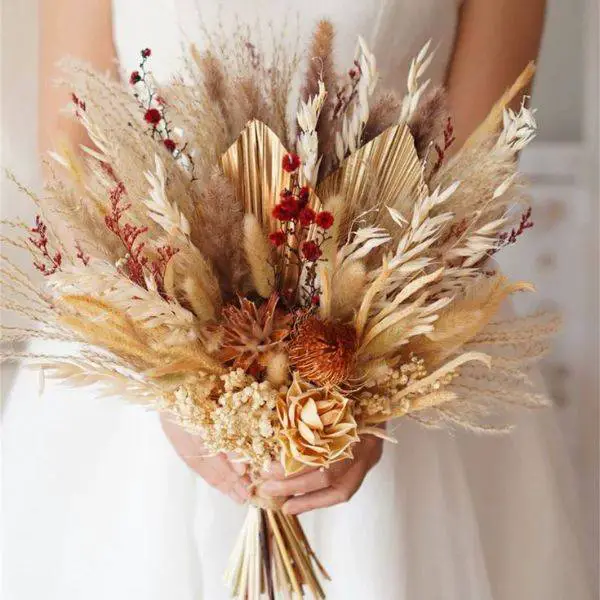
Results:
<point x="280" y="294"/>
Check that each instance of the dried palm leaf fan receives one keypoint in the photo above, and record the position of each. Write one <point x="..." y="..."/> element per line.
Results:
<point x="280" y="295"/>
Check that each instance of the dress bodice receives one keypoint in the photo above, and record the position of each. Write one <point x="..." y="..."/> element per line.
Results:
<point x="395" y="30"/>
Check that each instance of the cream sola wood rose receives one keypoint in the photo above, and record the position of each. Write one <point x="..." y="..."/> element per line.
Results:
<point x="281" y="288"/>
<point x="318" y="428"/>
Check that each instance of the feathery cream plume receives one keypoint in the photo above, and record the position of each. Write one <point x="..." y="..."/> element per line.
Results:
<point x="258" y="254"/>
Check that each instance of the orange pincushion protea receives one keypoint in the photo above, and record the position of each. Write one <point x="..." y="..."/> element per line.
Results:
<point x="323" y="352"/>
<point x="251" y="334"/>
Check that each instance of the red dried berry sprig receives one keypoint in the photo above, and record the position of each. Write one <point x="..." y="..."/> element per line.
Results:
<point x="155" y="107"/>
<point x="296" y="221"/>
<point x="50" y="262"/>
<point x="136" y="262"/>
<point x="449" y="139"/>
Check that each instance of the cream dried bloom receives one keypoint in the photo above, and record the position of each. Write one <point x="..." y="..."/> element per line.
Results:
<point x="245" y="420"/>
<point x="317" y="426"/>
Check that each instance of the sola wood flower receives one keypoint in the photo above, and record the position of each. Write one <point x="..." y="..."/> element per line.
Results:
<point x="317" y="426"/>
<point x="251" y="334"/>
<point x="323" y="352"/>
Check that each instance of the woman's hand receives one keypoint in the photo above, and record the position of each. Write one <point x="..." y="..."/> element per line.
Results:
<point x="218" y="470"/>
<point x="319" y="488"/>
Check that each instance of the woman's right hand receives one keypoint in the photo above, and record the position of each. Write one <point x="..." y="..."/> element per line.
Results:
<point x="218" y="470"/>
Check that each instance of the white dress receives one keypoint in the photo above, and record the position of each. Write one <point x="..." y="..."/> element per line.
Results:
<point x="97" y="506"/>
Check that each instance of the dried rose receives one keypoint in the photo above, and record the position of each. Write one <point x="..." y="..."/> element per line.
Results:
<point x="153" y="116"/>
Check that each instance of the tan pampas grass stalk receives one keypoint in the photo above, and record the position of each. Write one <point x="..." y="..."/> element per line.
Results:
<point x="321" y="69"/>
<point x="258" y="255"/>
<point x="464" y="318"/>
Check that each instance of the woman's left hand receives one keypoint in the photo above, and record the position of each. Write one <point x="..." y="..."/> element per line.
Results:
<point x="319" y="488"/>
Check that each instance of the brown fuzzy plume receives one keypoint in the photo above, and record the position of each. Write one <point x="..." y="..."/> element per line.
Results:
<point x="219" y="235"/>
<point x="383" y="114"/>
<point x="215" y="84"/>
<point x="252" y="100"/>
<point x="428" y="122"/>
<point x="321" y="67"/>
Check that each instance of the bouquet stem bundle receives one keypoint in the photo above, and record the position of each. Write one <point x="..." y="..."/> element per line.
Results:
<point x="272" y="556"/>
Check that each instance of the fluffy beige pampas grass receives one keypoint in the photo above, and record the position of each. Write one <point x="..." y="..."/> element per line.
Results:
<point x="464" y="318"/>
<point x="278" y="370"/>
<point x="348" y="287"/>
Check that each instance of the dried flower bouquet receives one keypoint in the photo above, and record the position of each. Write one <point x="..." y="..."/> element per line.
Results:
<point x="280" y="288"/>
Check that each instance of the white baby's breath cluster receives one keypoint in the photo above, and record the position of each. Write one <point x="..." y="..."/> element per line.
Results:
<point x="190" y="405"/>
<point x="385" y="383"/>
<point x="245" y="421"/>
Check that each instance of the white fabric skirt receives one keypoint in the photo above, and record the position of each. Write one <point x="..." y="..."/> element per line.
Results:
<point x="98" y="506"/>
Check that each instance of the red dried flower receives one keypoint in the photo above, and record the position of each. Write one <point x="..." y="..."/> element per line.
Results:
<point x="290" y="204"/>
<point x="307" y="216"/>
<point x="311" y="251"/>
<point x="281" y="214"/>
<point x="277" y="238"/>
<point x="315" y="300"/>
<point x="135" y="77"/>
<point x="153" y="116"/>
<point x="146" y="52"/>
<point x="78" y="102"/>
<point x="303" y="196"/>
<point x="324" y="219"/>
<point x="285" y="193"/>
<point x="170" y="145"/>
<point x="290" y="162"/>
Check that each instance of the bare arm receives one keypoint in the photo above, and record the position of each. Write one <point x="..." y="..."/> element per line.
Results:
<point x="82" y="30"/>
<point x="495" y="41"/>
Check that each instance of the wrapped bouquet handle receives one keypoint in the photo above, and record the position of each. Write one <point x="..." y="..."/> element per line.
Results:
<point x="272" y="554"/>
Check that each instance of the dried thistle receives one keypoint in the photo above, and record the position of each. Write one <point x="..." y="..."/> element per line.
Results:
<point x="251" y="335"/>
